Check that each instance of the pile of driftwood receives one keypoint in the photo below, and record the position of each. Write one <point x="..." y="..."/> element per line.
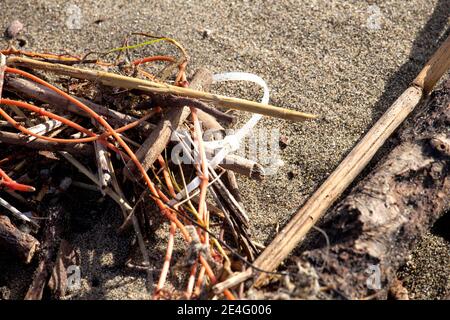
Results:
<point x="116" y="123"/>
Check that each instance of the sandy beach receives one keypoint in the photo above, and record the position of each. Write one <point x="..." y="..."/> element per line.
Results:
<point x="345" y="61"/>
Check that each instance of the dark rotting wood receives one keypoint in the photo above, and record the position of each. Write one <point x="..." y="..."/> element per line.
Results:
<point x="49" y="252"/>
<point x="373" y="230"/>
<point x="19" y="243"/>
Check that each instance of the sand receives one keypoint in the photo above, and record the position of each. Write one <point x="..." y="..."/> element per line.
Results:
<point x="320" y="56"/>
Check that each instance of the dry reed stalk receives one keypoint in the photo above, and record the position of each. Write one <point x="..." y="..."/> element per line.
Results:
<point x="115" y="80"/>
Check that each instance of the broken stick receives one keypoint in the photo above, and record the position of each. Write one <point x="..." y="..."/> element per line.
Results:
<point x="49" y="247"/>
<point x="13" y="240"/>
<point x="244" y="166"/>
<point x="44" y="94"/>
<point x="38" y="144"/>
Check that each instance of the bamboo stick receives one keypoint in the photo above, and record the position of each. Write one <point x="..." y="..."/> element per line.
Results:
<point x="390" y="209"/>
<point x="349" y="168"/>
<point x="115" y="80"/>
<point x="438" y="65"/>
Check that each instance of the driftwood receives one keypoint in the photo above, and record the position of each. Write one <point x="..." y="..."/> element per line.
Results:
<point x="13" y="240"/>
<point x="48" y="254"/>
<point x="43" y="94"/>
<point x="149" y="149"/>
<point x="18" y="139"/>
<point x="209" y="122"/>
<point x="44" y="128"/>
<point x="244" y="166"/>
<point x="66" y="257"/>
<point x="377" y="225"/>
<point x="325" y="196"/>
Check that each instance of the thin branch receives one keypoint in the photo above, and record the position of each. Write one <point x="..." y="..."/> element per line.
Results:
<point x="41" y="93"/>
<point x="17" y="139"/>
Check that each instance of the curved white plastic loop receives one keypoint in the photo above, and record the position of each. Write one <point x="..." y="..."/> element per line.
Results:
<point x="244" y="76"/>
<point x="232" y="142"/>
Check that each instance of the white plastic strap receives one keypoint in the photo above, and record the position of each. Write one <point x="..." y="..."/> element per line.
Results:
<point x="231" y="142"/>
<point x="244" y="76"/>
